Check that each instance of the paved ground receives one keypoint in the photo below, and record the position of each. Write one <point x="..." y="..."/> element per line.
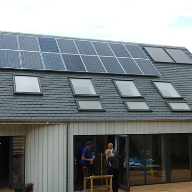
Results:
<point x="168" y="187"/>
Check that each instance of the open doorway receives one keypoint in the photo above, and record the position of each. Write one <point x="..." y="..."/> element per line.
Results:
<point x="4" y="161"/>
<point x="100" y="143"/>
<point x="12" y="162"/>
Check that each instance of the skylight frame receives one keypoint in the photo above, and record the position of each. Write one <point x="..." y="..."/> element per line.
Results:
<point x="137" y="110"/>
<point x="178" y="110"/>
<point x="24" y="92"/>
<point x="162" y="95"/>
<point x="127" y="96"/>
<point x="89" y="100"/>
<point x="83" y="95"/>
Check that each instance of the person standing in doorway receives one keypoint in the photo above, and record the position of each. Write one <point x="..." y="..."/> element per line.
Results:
<point x="114" y="161"/>
<point x="110" y="147"/>
<point x="86" y="159"/>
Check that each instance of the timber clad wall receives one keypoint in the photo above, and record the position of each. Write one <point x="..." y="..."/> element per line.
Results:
<point x="45" y="154"/>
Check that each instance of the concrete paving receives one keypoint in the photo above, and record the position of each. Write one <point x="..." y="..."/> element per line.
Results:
<point x="167" y="187"/>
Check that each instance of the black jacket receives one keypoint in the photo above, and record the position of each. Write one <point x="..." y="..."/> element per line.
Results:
<point x="113" y="160"/>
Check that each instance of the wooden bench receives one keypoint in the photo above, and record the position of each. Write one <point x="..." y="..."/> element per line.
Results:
<point x="101" y="188"/>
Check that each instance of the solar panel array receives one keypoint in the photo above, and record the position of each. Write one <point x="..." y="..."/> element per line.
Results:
<point x="30" y="52"/>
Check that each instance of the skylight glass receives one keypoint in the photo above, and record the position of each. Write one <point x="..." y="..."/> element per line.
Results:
<point x="167" y="90"/>
<point x="89" y="105"/>
<point x="179" y="106"/>
<point x="137" y="106"/>
<point x="26" y="84"/>
<point x="127" y="88"/>
<point x="83" y="87"/>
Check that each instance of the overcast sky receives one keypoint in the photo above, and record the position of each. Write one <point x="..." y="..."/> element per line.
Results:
<point x="167" y="22"/>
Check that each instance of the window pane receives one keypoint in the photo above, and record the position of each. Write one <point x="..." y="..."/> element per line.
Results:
<point x="167" y="89"/>
<point x="155" y="158"/>
<point x="128" y="88"/>
<point x="134" y="105"/>
<point x="18" y="162"/>
<point x="83" y="86"/>
<point x="179" y="157"/>
<point x="90" y="105"/>
<point x="179" y="106"/>
<point x="27" y="84"/>
<point x="136" y="159"/>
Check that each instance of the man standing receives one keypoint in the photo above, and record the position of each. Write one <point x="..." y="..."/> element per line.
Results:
<point x="86" y="159"/>
<point x="110" y="146"/>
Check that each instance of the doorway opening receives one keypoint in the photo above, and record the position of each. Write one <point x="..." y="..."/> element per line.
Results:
<point x="12" y="162"/>
<point x="4" y="161"/>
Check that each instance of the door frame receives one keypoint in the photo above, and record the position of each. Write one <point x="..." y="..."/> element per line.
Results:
<point x="126" y="136"/>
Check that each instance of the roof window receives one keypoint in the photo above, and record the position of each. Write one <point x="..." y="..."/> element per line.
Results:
<point x="89" y="105"/>
<point x="26" y="84"/>
<point x="85" y="94"/>
<point x="166" y="90"/>
<point x="178" y="106"/>
<point x="137" y="105"/>
<point x="82" y="87"/>
<point x="127" y="88"/>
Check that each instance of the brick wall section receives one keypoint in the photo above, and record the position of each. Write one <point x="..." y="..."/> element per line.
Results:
<point x="58" y="103"/>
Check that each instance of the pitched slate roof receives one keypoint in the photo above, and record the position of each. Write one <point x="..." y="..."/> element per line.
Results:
<point x="58" y="103"/>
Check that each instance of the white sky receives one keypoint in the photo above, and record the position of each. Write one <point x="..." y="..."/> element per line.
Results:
<point x="167" y="22"/>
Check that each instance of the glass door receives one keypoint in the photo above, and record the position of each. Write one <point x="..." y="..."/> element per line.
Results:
<point x="18" y="162"/>
<point x="179" y="157"/>
<point x="122" y="146"/>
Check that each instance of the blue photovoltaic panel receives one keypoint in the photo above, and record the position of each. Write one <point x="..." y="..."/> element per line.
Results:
<point x="103" y="49"/>
<point x="119" y="50"/>
<point x="73" y="62"/>
<point x="48" y="45"/>
<point x="147" y="67"/>
<point x="8" y="42"/>
<point x="85" y="47"/>
<point x="28" y="43"/>
<point x="129" y="66"/>
<point x="9" y="58"/>
<point x="53" y="61"/>
<point x="31" y="60"/>
<point x="111" y="65"/>
<point x="136" y="51"/>
<point x="73" y="55"/>
<point x="67" y="46"/>
<point x="93" y="64"/>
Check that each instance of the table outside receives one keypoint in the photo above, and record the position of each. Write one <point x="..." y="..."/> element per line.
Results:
<point x="94" y="188"/>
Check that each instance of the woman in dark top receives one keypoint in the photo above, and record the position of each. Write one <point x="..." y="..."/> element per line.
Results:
<point x="114" y="162"/>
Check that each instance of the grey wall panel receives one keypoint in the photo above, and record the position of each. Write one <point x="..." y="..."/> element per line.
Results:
<point x="46" y="160"/>
<point x="45" y="154"/>
<point x="140" y="127"/>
